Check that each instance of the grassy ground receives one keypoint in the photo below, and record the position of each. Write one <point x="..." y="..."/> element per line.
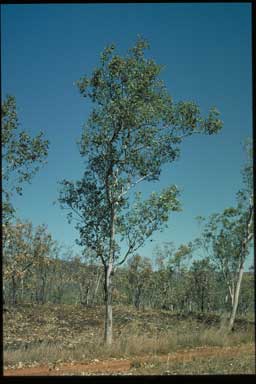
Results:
<point x="51" y="334"/>
<point x="241" y="363"/>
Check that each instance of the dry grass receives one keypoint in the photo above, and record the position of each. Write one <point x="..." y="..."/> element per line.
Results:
<point x="170" y="342"/>
<point x="128" y="345"/>
<point x="64" y="334"/>
<point x="214" y="365"/>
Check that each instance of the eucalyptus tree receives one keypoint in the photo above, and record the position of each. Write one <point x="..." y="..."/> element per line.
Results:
<point x="21" y="155"/>
<point x="163" y="289"/>
<point x="26" y="258"/>
<point x="44" y="247"/>
<point x="202" y="283"/>
<point x="228" y="236"/>
<point x="88" y="277"/>
<point x="172" y="283"/>
<point x="178" y="263"/>
<point x="139" y="275"/>
<point x="133" y="130"/>
<point x="17" y="257"/>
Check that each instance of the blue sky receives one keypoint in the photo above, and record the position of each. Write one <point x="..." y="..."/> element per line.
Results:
<point x="206" y="50"/>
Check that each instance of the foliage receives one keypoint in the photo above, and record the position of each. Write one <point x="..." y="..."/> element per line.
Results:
<point x="27" y="254"/>
<point x="133" y="129"/>
<point x="139" y="275"/>
<point x="20" y="155"/>
<point x="227" y="236"/>
<point x="203" y="284"/>
<point x="64" y="278"/>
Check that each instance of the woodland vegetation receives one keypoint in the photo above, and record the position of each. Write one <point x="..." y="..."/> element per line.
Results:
<point x="51" y="276"/>
<point x="134" y="128"/>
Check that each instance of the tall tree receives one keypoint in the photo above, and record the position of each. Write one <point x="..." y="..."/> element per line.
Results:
<point x="133" y="130"/>
<point x="21" y="155"/>
<point x="228" y="235"/>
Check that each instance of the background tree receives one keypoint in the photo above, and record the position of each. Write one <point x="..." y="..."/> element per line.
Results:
<point x="247" y="297"/>
<point x="21" y="155"/>
<point x="228" y="236"/>
<point x="17" y="258"/>
<point x="63" y="274"/>
<point x="202" y="284"/>
<point x="178" y="263"/>
<point x="27" y="253"/>
<point x="88" y="275"/>
<point x="44" y="248"/>
<point x="139" y="274"/>
<point x="133" y="130"/>
<point x="163" y="287"/>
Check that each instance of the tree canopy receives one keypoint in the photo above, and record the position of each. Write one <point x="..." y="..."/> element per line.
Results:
<point x="134" y="128"/>
<point x="21" y="155"/>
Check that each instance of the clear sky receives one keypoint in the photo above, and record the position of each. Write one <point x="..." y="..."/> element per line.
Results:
<point x="206" y="50"/>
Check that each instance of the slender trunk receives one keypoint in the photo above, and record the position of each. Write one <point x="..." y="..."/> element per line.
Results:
<point x="3" y="296"/>
<point x="59" y="294"/>
<point x="108" y="267"/>
<point x="81" y="293"/>
<point x="247" y="239"/>
<point x="96" y="288"/>
<point x="231" y="293"/>
<point x="42" y="291"/>
<point x="236" y="298"/>
<point x="14" y="291"/>
<point x="87" y="295"/>
<point x="22" y="291"/>
<point x="202" y="302"/>
<point x="108" y="305"/>
<point x="137" y="297"/>
<point x="37" y="293"/>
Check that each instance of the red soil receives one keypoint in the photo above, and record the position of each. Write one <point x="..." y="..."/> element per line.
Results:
<point x="112" y="366"/>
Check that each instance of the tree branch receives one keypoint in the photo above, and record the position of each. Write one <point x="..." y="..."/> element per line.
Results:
<point x="133" y="185"/>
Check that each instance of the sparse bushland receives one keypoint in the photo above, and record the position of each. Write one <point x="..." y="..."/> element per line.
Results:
<point x="70" y="280"/>
<point x="159" y="309"/>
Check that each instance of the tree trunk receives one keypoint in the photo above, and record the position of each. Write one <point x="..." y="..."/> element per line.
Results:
<point x="81" y="294"/>
<point x="87" y="296"/>
<point x="4" y="297"/>
<point x="22" y="291"/>
<point x="14" y="291"/>
<point x="248" y="238"/>
<point x="42" y="290"/>
<point x="231" y="288"/>
<point x="137" y="297"/>
<point x="108" y="268"/>
<point x="108" y="305"/>
<point x="236" y="298"/>
<point x="202" y="304"/>
<point x="96" y="288"/>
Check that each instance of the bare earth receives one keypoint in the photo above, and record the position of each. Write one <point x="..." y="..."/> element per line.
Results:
<point x="125" y="366"/>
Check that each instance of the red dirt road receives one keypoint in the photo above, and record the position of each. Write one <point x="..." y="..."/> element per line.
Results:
<point x="115" y="366"/>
